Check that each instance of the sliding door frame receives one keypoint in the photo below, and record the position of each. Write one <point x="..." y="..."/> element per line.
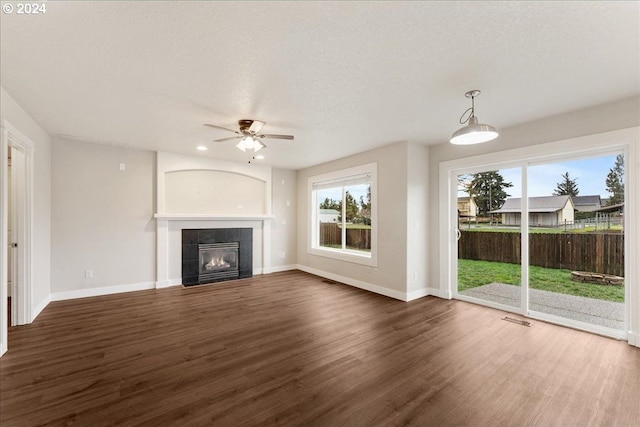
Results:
<point x="622" y="141"/>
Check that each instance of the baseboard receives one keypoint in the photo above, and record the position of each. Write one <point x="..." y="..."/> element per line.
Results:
<point x="168" y="283"/>
<point x="446" y="294"/>
<point x="280" y="268"/>
<point x="419" y="293"/>
<point x="38" y="308"/>
<point x="106" y="290"/>
<point x="633" y="339"/>
<point x="356" y="283"/>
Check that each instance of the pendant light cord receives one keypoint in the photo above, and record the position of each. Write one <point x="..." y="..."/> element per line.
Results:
<point x="472" y="109"/>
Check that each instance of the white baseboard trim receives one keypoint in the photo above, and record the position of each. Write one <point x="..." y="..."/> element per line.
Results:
<point x="280" y="268"/>
<point x="356" y="283"/>
<point x="444" y="294"/>
<point x="168" y="283"/>
<point x="633" y="339"/>
<point x="106" y="290"/>
<point x="38" y="308"/>
<point x="419" y="293"/>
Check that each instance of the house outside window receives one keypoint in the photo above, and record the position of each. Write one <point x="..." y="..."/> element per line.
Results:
<point x="343" y="214"/>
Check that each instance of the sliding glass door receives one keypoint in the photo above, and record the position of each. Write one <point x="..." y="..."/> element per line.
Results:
<point x="576" y="241"/>
<point x="545" y="240"/>
<point x="489" y="256"/>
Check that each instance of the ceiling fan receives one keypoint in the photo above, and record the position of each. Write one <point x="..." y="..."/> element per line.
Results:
<point x="248" y="133"/>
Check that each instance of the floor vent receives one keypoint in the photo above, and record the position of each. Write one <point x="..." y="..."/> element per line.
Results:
<point x="518" y="321"/>
<point x="329" y="281"/>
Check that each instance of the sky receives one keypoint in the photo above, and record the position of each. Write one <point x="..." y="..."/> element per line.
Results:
<point x="590" y="175"/>
<point x="336" y="193"/>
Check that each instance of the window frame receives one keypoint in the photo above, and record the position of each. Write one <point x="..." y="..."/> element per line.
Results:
<point x="339" y="177"/>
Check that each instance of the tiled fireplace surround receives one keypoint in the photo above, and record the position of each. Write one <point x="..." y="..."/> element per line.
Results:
<point x="192" y="238"/>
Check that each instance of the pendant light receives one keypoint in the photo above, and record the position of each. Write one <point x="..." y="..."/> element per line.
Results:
<point x="473" y="132"/>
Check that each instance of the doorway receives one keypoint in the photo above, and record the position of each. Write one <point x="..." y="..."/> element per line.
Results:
<point x="16" y="224"/>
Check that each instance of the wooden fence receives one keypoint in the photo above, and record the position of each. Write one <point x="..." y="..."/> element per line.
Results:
<point x="357" y="238"/>
<point x="597" y="252"/>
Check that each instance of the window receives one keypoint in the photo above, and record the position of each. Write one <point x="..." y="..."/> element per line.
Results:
<point x="343" y="214"/>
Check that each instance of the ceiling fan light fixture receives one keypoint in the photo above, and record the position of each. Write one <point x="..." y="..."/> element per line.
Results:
<point x="250" y="143"/>
<point x="258" y="145"/>
<point x="473" y="132"/>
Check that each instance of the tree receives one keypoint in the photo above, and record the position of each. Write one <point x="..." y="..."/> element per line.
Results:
<point x="488" y="190"/>
<point x="351" y="210"/>
<point x="615" y="181"/>
<point x="331" y="204"/>
<point x="566" y="187"/>
<point x="365" y="207"/>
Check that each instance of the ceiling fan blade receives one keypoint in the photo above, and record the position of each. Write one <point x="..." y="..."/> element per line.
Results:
<point x="220" y="127"/>
<point x="272" y="136"/>
<point x="227" y="139"/>
<point x="256" y="126"/>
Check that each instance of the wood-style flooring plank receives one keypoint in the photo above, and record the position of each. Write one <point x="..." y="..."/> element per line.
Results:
<point x="289" y="349"/>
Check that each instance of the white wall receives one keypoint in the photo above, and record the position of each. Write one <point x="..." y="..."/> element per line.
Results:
<point x="102" y="217"/>
<point x="21" y="120"/>
<point x="417" y="221"/>
<point x="390" y="275"/>
<point x="210" y="191"/>
<point x="283" y="225"/>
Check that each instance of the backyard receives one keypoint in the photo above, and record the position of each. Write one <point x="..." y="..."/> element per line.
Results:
<point x="474" y="273"/>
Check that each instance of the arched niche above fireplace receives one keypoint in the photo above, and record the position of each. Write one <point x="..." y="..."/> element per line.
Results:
<point x="214" y="191"/>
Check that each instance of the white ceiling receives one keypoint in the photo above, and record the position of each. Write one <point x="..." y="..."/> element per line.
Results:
<point x="343" y="77"/>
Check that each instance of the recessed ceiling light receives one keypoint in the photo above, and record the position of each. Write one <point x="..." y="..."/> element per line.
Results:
<point x="258" y="157"/>
<point x="202" y="148"/>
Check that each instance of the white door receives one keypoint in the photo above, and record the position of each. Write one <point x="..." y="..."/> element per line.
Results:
<point x="17" y="246"/>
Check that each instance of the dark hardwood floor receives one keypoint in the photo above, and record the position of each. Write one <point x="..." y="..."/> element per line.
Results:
<point x="290" y="349"/>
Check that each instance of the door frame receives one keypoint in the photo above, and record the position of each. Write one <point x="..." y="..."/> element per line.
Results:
<point x="625" y="140"/>
<point x="21" y="299"/>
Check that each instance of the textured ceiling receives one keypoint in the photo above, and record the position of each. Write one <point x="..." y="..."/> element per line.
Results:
<point x="342" y="77"/>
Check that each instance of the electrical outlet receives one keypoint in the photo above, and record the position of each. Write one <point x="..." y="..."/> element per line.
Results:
<point x="88" y="274"/>
<point x="284" y="222"/>
<point x="123" y="167"/>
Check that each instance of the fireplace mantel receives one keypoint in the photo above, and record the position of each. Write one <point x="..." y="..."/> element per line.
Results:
<point x="211" y="217"/>
<point x="167" y="224"/>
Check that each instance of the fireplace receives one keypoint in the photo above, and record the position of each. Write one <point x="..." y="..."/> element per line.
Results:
<point x="218" y="261"/>
<point x="216" y="254"/>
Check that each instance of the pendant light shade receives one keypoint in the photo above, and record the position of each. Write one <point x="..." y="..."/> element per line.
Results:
<point x="473" y="132"/>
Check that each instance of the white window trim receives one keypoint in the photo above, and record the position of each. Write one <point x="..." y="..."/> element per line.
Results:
<point x="369" y="259"/>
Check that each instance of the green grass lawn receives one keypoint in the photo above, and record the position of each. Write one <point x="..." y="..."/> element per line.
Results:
<point x="477" y="273"/>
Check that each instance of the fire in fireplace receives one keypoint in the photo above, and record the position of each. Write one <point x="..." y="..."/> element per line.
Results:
<point x="218" y="261"/>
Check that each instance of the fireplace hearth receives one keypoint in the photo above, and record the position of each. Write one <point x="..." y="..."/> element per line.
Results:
<point x="216" y="254"/>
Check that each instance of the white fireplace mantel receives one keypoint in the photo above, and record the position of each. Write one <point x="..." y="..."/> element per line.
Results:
<point x="211" y="217"/>
<point x="164" y="222"/>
